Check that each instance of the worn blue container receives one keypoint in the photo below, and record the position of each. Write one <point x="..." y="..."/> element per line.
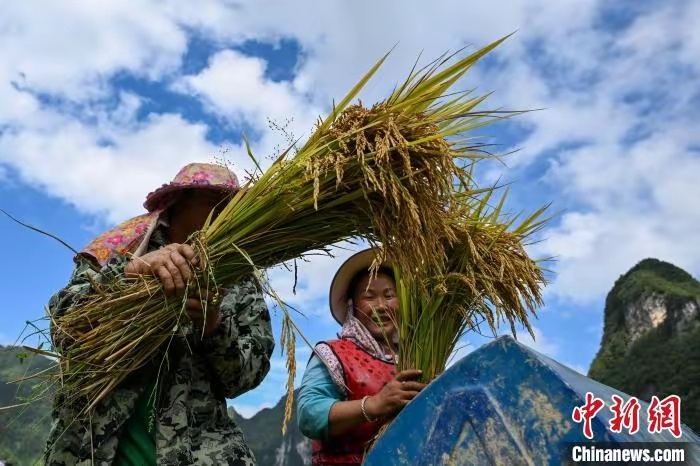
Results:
<point x="506" y="404"/>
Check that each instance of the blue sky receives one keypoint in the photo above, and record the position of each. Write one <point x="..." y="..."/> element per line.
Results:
<point x="98" y="106"/>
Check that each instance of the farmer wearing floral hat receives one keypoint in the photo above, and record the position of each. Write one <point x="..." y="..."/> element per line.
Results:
<point x="173" y="411"/>
<point x="350" y="384"/>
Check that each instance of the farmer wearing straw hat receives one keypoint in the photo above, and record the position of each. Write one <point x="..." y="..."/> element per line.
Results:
<point x="350" y="384"/>
<point x="173" y="411"/>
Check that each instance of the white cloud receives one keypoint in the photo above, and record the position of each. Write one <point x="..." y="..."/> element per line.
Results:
<point x="72" y="48"/>
<point x="624" y="201"/>
<point x="234" y="85"/>
<point x="540" y="343"/>
<point x="342" y="42"/>
<point x="65" y="158"/>
<point x="642" y="203"/>
<point x="71" y="53"/>
<point x="314" y="276"/>
<point x="339" y="44"/>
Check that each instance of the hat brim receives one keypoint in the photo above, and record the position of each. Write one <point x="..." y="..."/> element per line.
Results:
<point x="157" y="197"/>
<point x="338" y="298"/>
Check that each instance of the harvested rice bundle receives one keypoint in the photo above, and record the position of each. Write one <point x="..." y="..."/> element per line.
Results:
<point x="488" y="277"/>
<point x="384" y="173"/>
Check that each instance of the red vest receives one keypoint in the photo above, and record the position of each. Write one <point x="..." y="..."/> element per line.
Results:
<point x="363" y="375"/>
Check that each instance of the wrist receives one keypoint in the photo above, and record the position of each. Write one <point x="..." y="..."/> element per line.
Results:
<point x="370" y="409"/>
<point x="129" y="269"/>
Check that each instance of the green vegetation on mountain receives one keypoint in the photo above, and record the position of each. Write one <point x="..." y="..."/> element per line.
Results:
<point x="665" y="359"/>
<point x="264" y="435"/>
<point x="24" y="429"/>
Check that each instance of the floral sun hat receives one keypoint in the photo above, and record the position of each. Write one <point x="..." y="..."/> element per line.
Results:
<point x="194" y="175"/>
<point x="132" y="235"/>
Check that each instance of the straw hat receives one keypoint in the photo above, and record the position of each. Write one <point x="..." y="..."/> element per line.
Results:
<point x="338" y="295"/>
<point x="195" y="175"/>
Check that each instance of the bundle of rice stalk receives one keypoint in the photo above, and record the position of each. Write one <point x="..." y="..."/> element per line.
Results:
<point x="384" y="173"/>
<point x="487" y="277"/>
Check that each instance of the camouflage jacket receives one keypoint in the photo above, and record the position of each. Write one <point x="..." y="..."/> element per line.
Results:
<point x="192" y="424"/>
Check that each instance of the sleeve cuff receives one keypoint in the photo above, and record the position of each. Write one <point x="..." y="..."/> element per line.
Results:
<point x="114" y="269"/>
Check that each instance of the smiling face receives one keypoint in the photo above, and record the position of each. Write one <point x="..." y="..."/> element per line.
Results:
<point x="376" y="304"/>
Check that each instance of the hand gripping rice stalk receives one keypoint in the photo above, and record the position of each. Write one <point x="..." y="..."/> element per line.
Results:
<point x="384" y="173"/>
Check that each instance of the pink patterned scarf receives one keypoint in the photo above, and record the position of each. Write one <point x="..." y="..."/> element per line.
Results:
<point x="129" y="237"/>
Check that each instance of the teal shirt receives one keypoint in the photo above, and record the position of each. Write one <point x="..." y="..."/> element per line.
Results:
<point x="317" y="395"/>
<point x="137" y="446"/>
